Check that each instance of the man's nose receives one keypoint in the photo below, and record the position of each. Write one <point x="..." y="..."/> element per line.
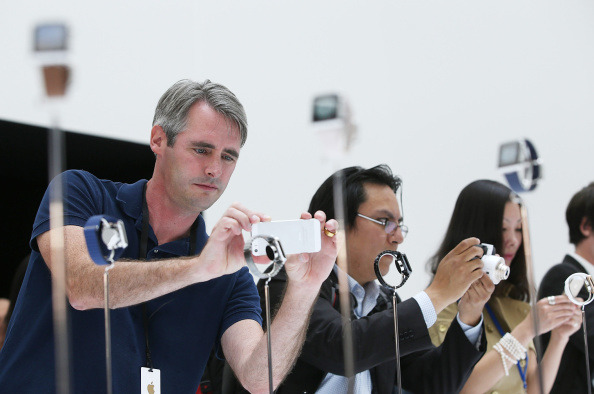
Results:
<point x="214" y="168"/>
<point x="396" y="236"/>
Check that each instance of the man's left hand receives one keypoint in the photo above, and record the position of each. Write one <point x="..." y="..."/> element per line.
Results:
<point x="312" y="269"/>
<point x="473" y="301"/>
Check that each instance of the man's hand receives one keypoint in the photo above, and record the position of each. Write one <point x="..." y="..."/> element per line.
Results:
<point x="244" y="344"/>
<point x="473" y="301"/>
<point x="133" y="282"/>
<point x="312" y="269"/>
<point x="223" y="253"/>
<point x="455" y="273"/>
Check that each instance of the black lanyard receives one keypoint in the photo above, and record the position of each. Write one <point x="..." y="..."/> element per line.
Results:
<point x="142" y="256"/>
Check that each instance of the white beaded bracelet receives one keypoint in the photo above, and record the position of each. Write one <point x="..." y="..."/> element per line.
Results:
<point x="513" y="346"/>
<point x="504" y="357"/>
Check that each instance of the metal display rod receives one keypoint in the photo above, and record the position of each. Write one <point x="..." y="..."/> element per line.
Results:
<point x="50" y="44"/>
<point x="404" y="270"/>
<point x="106" y="240"/>
<point x="574" y="284"/>
<point x="276" y="253"/>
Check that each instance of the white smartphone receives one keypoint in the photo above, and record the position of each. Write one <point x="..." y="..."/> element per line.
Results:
<point x="295" y="236"/>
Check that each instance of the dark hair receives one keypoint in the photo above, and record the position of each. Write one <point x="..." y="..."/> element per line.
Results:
<point x="580" y="206"/>
<point x="354" y="195"/>
<point x="479" y="213"/>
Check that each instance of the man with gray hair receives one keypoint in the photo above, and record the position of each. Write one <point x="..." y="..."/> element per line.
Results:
<point x="175" y="292"/>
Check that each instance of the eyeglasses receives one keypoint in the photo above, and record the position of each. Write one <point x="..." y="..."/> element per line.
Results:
<point x="389" y="225"/>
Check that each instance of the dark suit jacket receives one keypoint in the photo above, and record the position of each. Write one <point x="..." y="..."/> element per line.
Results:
<point x="425" y="368"/>
<point x="571" y="377"/>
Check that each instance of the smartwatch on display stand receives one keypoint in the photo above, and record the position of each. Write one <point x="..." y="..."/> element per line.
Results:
<point x="332" y="123"/>
<point x="387" y="258"/>
<point x="106" y="240"/>
<point x="576" y="285"/>
<point x="335" y="131"/>
<point x="274" y="252"/>
<point x="522" y="169"/>
<point x="520" y="165"/>
<point x="50" y="48"/>
<point x="51" y="45"/>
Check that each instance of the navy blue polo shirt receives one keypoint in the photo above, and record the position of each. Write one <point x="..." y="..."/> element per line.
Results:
<point x="183" y="325"/>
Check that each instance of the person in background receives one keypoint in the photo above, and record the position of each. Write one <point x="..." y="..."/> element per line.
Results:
<point x="572" y="376"/>
<point x="374" y="223"/>
<point x="4" y="306"/>
<point x="7" y="305"/>
<point x="490" y="211"/>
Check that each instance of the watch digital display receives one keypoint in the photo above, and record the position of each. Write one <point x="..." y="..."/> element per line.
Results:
<point x="325" y="107"/>
<point x="51" y="37"/>
<point x="509" y="154"/>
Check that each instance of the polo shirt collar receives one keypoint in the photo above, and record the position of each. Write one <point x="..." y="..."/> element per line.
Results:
<point x="129" y="197"/>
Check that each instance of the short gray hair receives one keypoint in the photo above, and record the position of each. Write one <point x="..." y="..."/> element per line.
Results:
<point x="173" y="107"/>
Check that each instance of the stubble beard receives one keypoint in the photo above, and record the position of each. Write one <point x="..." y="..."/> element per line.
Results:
<point x="201" y="201"/>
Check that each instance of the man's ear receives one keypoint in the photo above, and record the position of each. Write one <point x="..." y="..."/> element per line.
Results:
<point x="158" y="140"/>
<point x="586" y="227"/>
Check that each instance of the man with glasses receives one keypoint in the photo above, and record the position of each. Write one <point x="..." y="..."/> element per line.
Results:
<point x="374" y="224"/>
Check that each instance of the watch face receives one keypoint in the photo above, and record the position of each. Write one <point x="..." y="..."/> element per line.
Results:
<point x="325" y="107"/>
<point x="50" y="37"/>
<point x="509" y="153"/>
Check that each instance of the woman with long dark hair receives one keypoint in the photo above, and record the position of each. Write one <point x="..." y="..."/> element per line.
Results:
<point x="490" y="211"/>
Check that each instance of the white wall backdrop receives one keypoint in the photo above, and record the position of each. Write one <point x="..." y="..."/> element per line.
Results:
<point x="435" y="87"/>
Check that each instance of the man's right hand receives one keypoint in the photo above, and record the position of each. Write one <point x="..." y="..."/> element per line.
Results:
<point x="133" y="282"/>
<point x="455" y="273"/>
<point x="223" y="253"/>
